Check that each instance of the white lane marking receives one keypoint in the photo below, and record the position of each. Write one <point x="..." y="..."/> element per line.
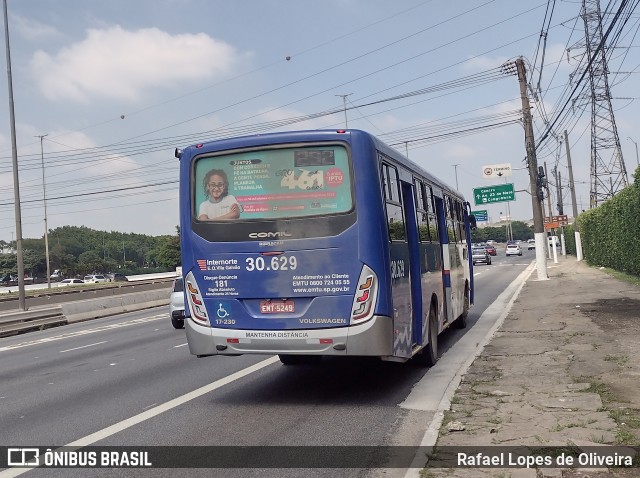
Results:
<point x="477" y="274"/>
<point x="84" y="346"/>
<point x="152" y="412"/>
<point x="176" y="346"/>
<point x="81" y="332"/>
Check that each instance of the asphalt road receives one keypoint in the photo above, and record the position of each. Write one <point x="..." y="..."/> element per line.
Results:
<point x="60" y="385"/>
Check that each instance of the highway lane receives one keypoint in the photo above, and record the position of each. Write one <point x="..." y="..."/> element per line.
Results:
<point x="63" y="384"/>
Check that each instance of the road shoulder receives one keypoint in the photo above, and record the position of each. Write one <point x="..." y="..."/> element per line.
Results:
<point x="561" y="371"/>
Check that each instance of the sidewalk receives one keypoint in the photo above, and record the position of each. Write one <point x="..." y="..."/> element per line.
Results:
<point x="563" y="370"/>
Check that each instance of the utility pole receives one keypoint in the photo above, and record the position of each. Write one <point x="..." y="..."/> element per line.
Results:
<point x="559" y="204"/>
<point x="572" y="188"/>
<point x="46" y="225"/>
<point x="344" y="102"/>
<point x="548" y="192"/>
<point x="455" y="168"/>
<point x="16" y="183"/>
<point x="534" y="177"/>
<point x="556" y="174"/>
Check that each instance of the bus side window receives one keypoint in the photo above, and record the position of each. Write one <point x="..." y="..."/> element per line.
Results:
<point x="460" y="222"/>
<point x="451" y="219"/>
<point x="421" y="212"/>
<point x="433" y="220"/>
<point x="391" y="187"/>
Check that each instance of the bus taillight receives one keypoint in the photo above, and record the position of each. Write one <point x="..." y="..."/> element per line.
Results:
<point x="196" y="304"/>
<point x="365" y="297"/>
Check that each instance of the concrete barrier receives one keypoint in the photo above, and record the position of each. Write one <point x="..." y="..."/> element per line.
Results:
<point x="37" y="319"/>
<point x="104" y="306"/>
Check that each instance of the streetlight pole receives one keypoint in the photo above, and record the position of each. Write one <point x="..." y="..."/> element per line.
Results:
<point x="44" y="198"/>
<point x="455" y="168"/>
<point x="344" y="102"/>
<point x="14" y="154"/>
<point x="637" y="158"/>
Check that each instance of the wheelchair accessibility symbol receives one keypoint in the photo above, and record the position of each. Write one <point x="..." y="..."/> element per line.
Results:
<point x="222" y="312"/>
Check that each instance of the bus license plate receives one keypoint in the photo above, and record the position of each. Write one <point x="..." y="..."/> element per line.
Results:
<point x="276" y="306"/>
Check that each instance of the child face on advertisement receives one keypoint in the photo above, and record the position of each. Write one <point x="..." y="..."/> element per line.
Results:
<point x="216" y="186"/>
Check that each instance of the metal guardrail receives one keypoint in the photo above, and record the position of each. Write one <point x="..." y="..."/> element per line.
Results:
<point x="37" y="319"/>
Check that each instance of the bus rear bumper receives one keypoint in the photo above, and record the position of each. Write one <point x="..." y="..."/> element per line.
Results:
<point x="372" y="338"/>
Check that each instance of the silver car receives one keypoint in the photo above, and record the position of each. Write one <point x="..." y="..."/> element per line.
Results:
<point x="176" y="304"/>
<point x="480" y="254"/>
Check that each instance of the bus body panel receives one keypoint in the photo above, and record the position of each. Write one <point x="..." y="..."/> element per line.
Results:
<point x="371" y="338"/>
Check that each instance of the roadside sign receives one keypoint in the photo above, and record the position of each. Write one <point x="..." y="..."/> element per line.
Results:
<point x="561" y="220"/>
<point x="490" y="194"/>
<point x="496" y="170"/>
<point x="551" y="225"/>
<point x="481" y="215"/>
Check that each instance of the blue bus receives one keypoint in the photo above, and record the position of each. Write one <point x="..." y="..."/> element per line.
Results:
<point x="314" y="243"/>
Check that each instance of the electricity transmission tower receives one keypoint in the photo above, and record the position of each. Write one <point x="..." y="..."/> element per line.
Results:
<point x="608" y="173"/>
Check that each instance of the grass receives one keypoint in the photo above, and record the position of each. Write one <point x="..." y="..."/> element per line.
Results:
<point x="602" y="390"/>
<point x="625" y="419"/>
<point x="630" y="278"/>
<point x="580" y="424"/>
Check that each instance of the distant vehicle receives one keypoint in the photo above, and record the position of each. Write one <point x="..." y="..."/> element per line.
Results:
<point x="513" y="250"/>
<point x="491" y="242"/>
<point x="531" y="244"/>
<point x="9" y="279"/>
<point x="117" y="277"/>
<point x="480" y="254"/>
<point x="57" y="275"/>
<point x="491" y="250"/>
<point x="94" y="279"/>
<point x="176" y="304"/>
<point x="68" y="282"/>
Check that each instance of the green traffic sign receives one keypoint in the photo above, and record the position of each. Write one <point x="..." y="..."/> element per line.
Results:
<point x="482" y="215"/>
<point x="490" y="194"/>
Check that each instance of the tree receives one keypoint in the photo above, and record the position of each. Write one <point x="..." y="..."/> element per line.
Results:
<point x="168" y="253"/>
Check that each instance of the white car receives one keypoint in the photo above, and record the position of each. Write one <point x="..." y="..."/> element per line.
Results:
<point x="513" y="250"/>
<point x="176" y="304"/>
<point x="67" y="282"/>
<point x="94" y="279"/>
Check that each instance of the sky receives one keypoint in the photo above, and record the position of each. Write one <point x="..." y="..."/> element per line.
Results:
<point x="117" y="85"/>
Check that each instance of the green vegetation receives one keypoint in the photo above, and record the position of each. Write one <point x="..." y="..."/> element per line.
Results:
<point x="610" y="232"/>
<point x="80" y="250"/>
<point x="521" y="231"/>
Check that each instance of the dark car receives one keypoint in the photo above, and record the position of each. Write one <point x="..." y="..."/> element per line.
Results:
<point x="480" y="254"/>
<point x="491" y="250"/>
<point x="117" y="277"/>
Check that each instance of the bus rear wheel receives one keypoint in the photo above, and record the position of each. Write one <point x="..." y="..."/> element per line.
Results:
<point x="461" y="322"/>
<point x="428" y="356"/>
<point x="288" y="359"/>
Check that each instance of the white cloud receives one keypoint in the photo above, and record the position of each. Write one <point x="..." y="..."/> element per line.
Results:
<point x="483" y="63"/>
<point x="31" y="29"/>
<point x="118" y="64"/>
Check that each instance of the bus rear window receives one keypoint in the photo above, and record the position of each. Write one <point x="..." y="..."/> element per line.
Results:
<point x="272" y="184"/>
